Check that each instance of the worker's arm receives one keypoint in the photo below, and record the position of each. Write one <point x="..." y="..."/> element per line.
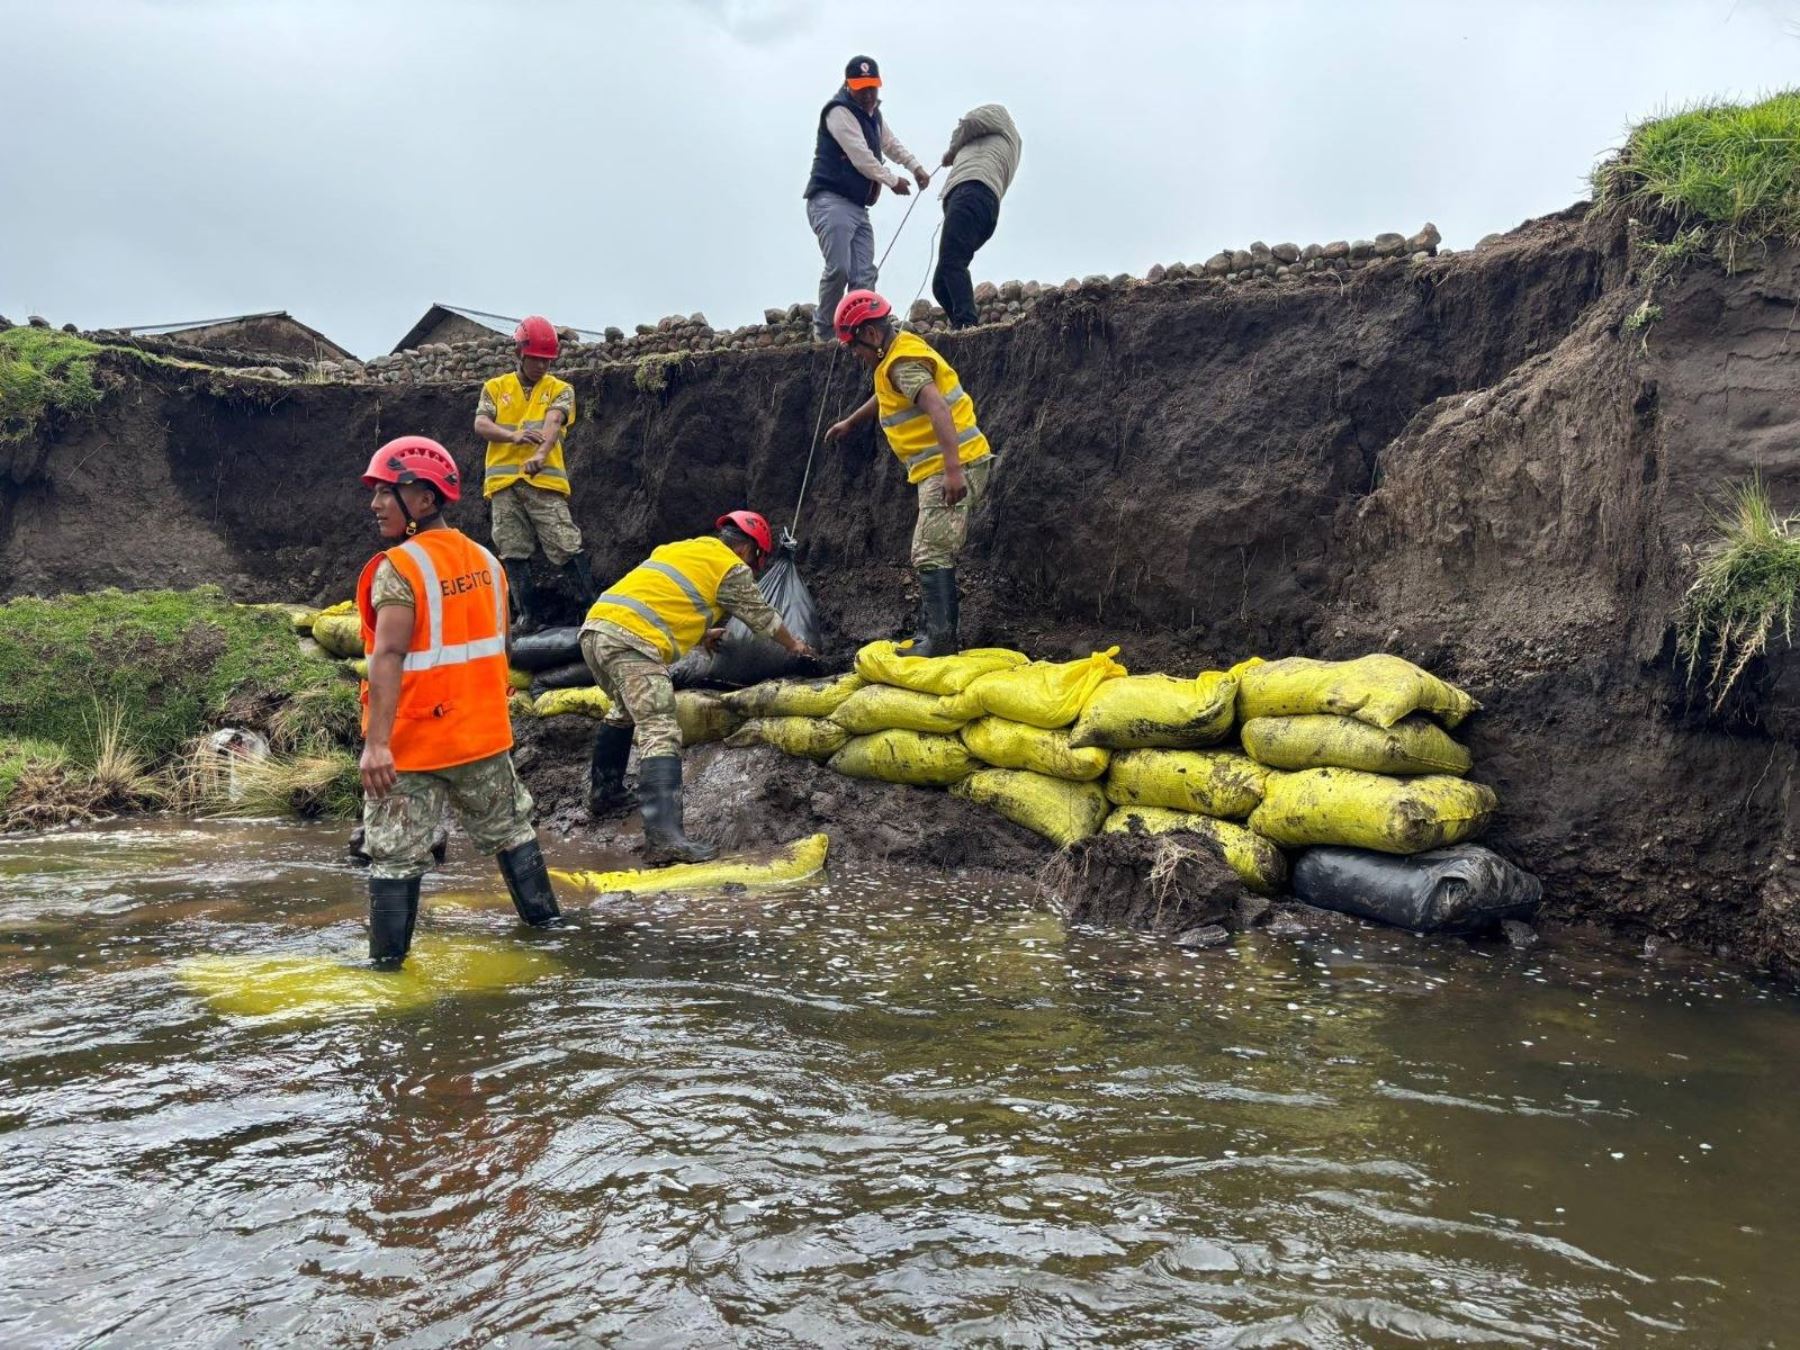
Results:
<point x="932" y="404"/>
<point x="490" y="430"/>
<point x="847" y="132"/>
<point x="838" y="430"/>
<point x="545" y="440"/>
<point x="740" y="598"/>
<point x="891" y="147"/>
<point x="393" y="636"/>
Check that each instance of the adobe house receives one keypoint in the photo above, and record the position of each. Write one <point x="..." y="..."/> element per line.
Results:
<point x="454" y="323"/>
<point x="275" y="332"/>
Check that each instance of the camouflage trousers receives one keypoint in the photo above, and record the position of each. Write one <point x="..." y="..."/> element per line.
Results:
<point x="942" y="530"/>
<point x="525" y="516"/>
<point x="638" y="687"/>
<point x="490" y="803"/>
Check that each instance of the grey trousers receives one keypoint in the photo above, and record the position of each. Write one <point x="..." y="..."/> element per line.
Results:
<point x="847" y="240"/>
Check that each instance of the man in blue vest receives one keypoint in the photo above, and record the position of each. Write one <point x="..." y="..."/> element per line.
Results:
<point x="847" y="173"/>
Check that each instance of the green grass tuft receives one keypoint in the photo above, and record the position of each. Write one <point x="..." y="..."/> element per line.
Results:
<point x="21" y="755"/>
<point x="1748" y="582"/>
<point x="1731" y="170"/>
<point x="41" y="370"/>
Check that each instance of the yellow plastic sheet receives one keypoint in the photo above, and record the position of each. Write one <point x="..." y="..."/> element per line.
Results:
<point x="1259" y="864"/>
<point x="1013" y="745"/>
<point x="880" y="707"/>
<point x="1370" y="810"/>
<point x="1042" y="694"/>
<point x="586" y="701"/>
<point x="1158" y="711"/>
<point x="1378" y="689"/>
<point x="919" y="758"/>
<point x="339" y="634"/>
<point x="1062" y="812"/>
<point x="804" y="737"/>
<point x="798" y="862"/>
<point x="1321" y="741"/>
<point x="794" y="698"/>
<point x="1212" y="782"/>
<point x="892" y="663"/>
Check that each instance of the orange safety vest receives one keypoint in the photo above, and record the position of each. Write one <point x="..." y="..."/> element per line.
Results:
<point x="453" y="685"/>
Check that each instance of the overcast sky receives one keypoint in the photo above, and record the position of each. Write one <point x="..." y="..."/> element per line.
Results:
<point x="352" y="161"/>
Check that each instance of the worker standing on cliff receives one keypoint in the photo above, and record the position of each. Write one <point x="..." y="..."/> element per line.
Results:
<point x="647" y="620"/>
<point x="524" y="416"/>
<point x="436" y="728"/>
<point x="982" y="159"/>
<point x="848" y="170"/>
<point x="929" y="420"/>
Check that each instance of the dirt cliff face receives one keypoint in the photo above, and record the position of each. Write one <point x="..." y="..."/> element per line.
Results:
<point x="1467" y="461"/>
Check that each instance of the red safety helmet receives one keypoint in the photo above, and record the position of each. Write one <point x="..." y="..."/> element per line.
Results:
<point x="415" y="459"/>
<point x="856" y="309"/>
<point x="751" y="524"/>
<point x="536" y="336"/>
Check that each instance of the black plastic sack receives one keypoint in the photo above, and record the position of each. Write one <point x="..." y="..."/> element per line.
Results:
<point x="742" y="657"/>
<point x="546" y="650"/>
<point x="1463" y="889"/>
<point x="575" y="675"/>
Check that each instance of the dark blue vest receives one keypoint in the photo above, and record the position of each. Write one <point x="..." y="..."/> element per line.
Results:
<point x="832" y="170"/>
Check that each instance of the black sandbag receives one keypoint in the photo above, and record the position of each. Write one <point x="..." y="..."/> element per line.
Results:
<point x="745" y="659"/>
<point x="545" y="650"/>
<point x="573" y="676"/>
<point x="1463" y="889"/>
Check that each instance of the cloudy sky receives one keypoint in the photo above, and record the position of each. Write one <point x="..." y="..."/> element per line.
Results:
<point x="354" y="160"/>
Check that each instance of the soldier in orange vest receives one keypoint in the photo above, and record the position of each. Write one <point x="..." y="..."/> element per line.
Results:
<point x="435" y="723"/>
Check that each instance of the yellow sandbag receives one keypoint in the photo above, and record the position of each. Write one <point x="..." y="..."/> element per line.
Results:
<point x="341" y="607"/>
<point x="797" y="862"/>
<point x="1378" y="689"/>
<point x="1321" y="741"/>
<point x="880" y="707"/>
<point x="1063" y="812"/>
<point x="1041" y="694"/>
<point x="520" y="705"/>
<point x="703" y="716"/>
<point x="303" y="618"/>
<point x="1371" y="810"/>
<point x="1160" y="711"/>
<point x="318" y="986"/>
<point x="586" y="701"/>
<point x="916" y="757"/>
<point x="518" y="679"/>
<point x="1013" y="745"/>
<point x="1259" y="864"/>
<point x="1212" y="782"/>
<point x="804" y="737"/>
<point x="339" y="634"/>
<point x="358" y="667"/>
<point x="794" y="698"/>
<point x="892" y="663"/>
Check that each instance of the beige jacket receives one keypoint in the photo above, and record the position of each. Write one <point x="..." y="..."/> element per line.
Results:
<point x="984" y="148"/>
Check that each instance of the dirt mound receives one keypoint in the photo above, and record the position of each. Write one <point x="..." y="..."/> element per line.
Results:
<point x="1154" y="883"/>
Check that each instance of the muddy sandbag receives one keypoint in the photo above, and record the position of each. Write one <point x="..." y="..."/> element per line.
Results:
<point x="1143" y="712"/>
<point x="546" y="649"/>
<point x="586" y="702"/>
<point x="1168" y="883"/>
<point x="1213" y="782"/>
<point x="1047" y="694"/>
<point x="1259" y="864"/>
<point x="743" y="658"/>
<point x="892" y="663"/>
<point x="519" y="704"/>
<point x="703" y="716"/>
<point x="800" y="861"/>
<point x="575" y="675"/>
<point x="803" y="737"/>
<point x="1412" y="745"/>
<point x="1378" y="689"/>
<point x="916" y="757"/>
<point x="1370" y="810"/>
<point x="1062" y="812"/>
<point x="1464" y="889"/>
<point x="881" y="707"/>
<point x="794" y="698"/>
<point x="339" y="634"/>
<point x="1013" y="745"/>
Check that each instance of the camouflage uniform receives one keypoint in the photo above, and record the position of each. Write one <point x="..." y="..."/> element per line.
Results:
<point x="941" y="531"/>
<point x="524" y="516"/>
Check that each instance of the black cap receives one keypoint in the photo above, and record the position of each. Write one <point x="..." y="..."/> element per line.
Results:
<point x="860" y="68"/>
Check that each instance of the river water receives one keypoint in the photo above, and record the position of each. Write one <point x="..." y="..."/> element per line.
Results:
<point x="884" y="1110"/>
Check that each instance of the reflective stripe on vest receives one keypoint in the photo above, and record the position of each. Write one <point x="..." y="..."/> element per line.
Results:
<point x="644" y="612"/>
<point x="671" y="598"/>
<point x="910" y="433"/>
<point x="954" y="397"/>
<point x="435" y="653"/>
<point x="962" y="438"/>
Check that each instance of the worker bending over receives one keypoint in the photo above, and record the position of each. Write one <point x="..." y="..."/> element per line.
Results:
<point x="524" y="416"/>
<point x="929" y="420"/>
<point x="646" y="621"/>
<point x="435" y="721"/>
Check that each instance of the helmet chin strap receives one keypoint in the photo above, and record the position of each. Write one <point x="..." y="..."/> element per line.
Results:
<point x="412" y="525"/>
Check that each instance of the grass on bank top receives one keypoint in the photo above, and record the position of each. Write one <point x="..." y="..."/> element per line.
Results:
<point x="1748" y="582"/>
<point x="43" y="369"/>
<point x="1734" y="168"/>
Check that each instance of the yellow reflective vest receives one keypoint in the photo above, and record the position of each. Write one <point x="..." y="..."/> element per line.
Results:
<point x="672" y="597"/>
<point x="909" y="432"/>
<point x="516" y="408"/>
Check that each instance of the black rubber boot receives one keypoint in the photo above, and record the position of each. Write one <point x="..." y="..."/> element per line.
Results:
<point x="606" y="776"/>
<point x="518" y="581"/>
<point x="528" y="880"/>
<point x="581" y="577"/>
<point x="937" y="588"/>
<point x="659" y="794"/>
<point x="393" y="910"/>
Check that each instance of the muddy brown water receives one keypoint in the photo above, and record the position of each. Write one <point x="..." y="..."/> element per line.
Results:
<point x="887" y="1110"/>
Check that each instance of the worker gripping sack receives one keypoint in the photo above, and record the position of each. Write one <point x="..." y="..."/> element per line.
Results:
<point x="742" y="658"/>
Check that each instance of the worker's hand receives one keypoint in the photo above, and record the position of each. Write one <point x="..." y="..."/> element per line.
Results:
<point x="956" y="486"/>
<point x="922" y="178"/>
<point x="837" y="431"/>
<point x="535" y="435"/>
<point x="514" y="435"/>
<point x="949" y="158"/>
<point x="378" y="772"/>
<point x="799" y="648"/>
<point x="714" y="636"/>
<point x="536" y="463"/>
<point x="901" y="187"/>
